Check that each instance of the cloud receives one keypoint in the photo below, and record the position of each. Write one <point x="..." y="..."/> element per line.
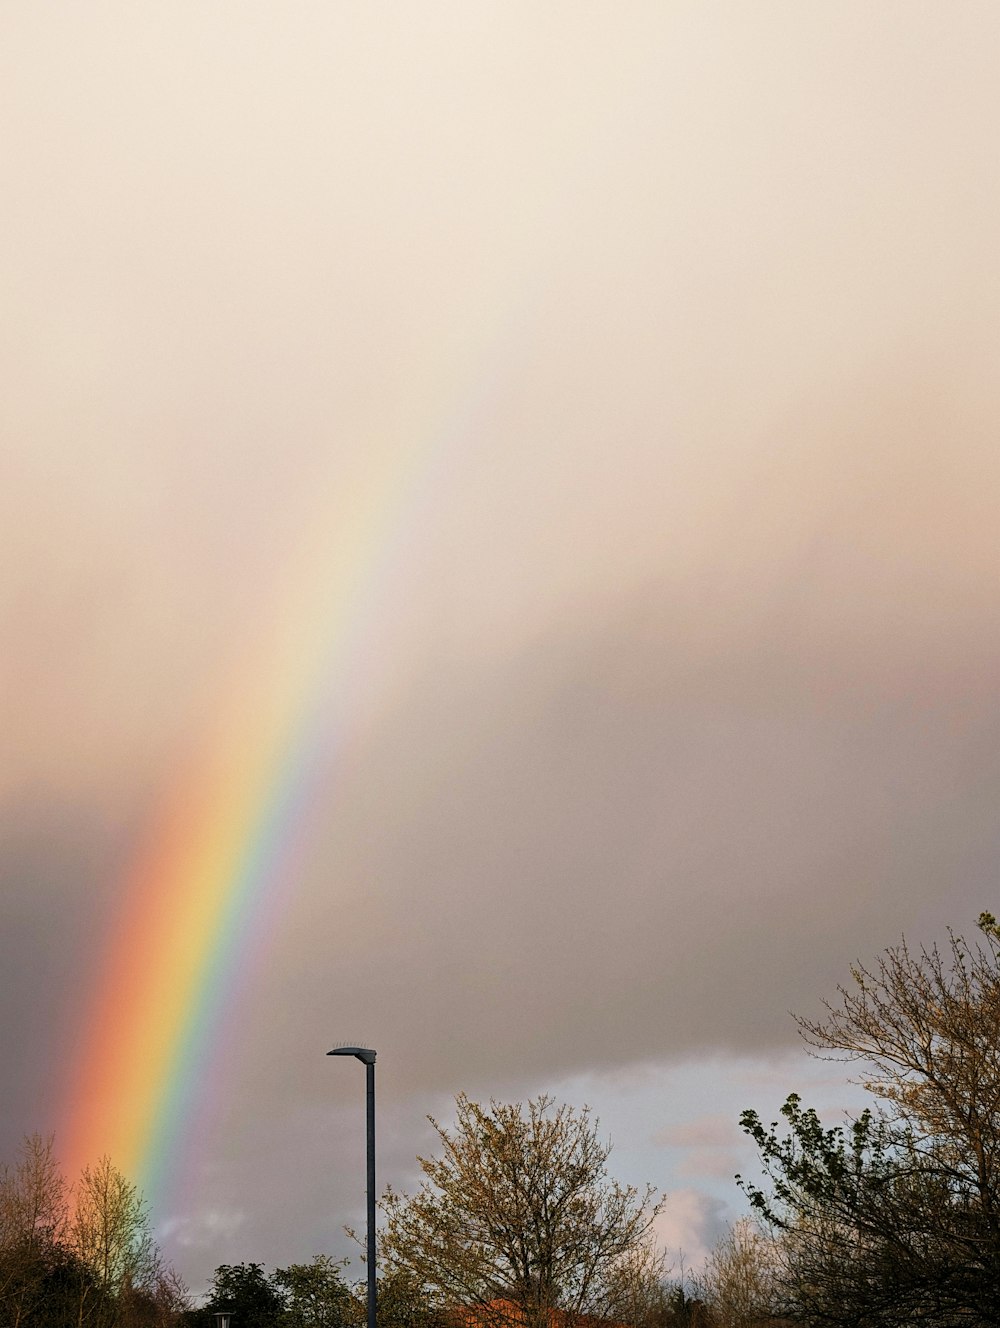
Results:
<point x="203" y="1229"/>
<point x="709" y="1164"/>
<point x="689" y="1226"/>
<point x="707" y="1132"/>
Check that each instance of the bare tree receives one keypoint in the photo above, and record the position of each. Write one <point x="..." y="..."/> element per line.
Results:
<point x="33" y="1226"/>
<point x="738" y="1283"/>
<point x="80" y="1258"/>
<point x="518" y="1219"/>
<point x="109" y="1234"/>
<point x="636" y="1291"/>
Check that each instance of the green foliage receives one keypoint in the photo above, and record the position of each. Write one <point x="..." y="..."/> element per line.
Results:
<point x="314" y="1295"/>
<point x="988" y="925"/>
<point x="303" y="1295"/>
<point x="894" y="1217"/>
<point x="402" y="1303"/>
<point x="680" y="1304"/>
<point x="812" y="1168"/>
<point x="245" y="1290"/>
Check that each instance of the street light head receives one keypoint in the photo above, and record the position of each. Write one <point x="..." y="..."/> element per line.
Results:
<point x="362" y="1053"/>
<point x="367" y="1056"/>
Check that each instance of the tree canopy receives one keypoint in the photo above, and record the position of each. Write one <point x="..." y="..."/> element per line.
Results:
<point x="83" y="1256"/>
<point x="517" y="1217"/>
<point x="894" y="1216"/>
<point x="246" y="1291"/>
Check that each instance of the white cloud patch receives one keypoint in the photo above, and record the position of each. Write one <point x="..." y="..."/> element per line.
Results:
<point x="689" y="1226"/>
<point x="202" y="1229"/>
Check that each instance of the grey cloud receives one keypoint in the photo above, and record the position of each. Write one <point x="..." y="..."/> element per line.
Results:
<point x="57" y="868"/>
<point x="706" y="1132"/>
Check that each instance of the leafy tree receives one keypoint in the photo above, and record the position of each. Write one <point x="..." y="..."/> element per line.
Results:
<point x="245" y="1290"/>
<point x="517" y="1217"/>
<point x="683" y="1310"/>
<point x="895" y="1216"/>
<point x="315" y="1295"/>
<point x="403" y="1302"/>
<point x="61" y="1302"/>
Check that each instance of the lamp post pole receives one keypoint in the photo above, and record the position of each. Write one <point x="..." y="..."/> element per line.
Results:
<point x="367" y="1056"/>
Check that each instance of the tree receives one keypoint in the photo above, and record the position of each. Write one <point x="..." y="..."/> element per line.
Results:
<point x="637" y="1293"/>
<point x="158" y="1304"/>
<point x="89" y="1263"/>
<point x="110" y="1236"/>
<point x="315" y="1295"/>
<point x="245" y="1290"/>
<point x="402" y="1303"/>
<point x="682" y="1310"/>
<point x="737" y="1285"/>
<point x="33" y="1225"/>
<point x="517" y="1217"/>
<point x="895" y="1216"/>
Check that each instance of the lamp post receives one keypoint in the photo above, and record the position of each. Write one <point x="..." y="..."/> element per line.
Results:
<point x="367" y="1056"/>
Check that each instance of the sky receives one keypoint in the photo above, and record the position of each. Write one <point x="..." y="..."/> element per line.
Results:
<point x="580" y="421"/>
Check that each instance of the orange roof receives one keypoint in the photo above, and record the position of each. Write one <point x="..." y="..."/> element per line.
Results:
<point x="512" y="1315"/>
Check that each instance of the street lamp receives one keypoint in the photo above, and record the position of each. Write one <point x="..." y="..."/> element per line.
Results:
<point x="222" y="1320"/>
<point x="366" y="1055"/>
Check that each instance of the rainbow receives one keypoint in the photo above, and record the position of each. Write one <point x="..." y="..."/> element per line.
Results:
<point x="218" y="860"/>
